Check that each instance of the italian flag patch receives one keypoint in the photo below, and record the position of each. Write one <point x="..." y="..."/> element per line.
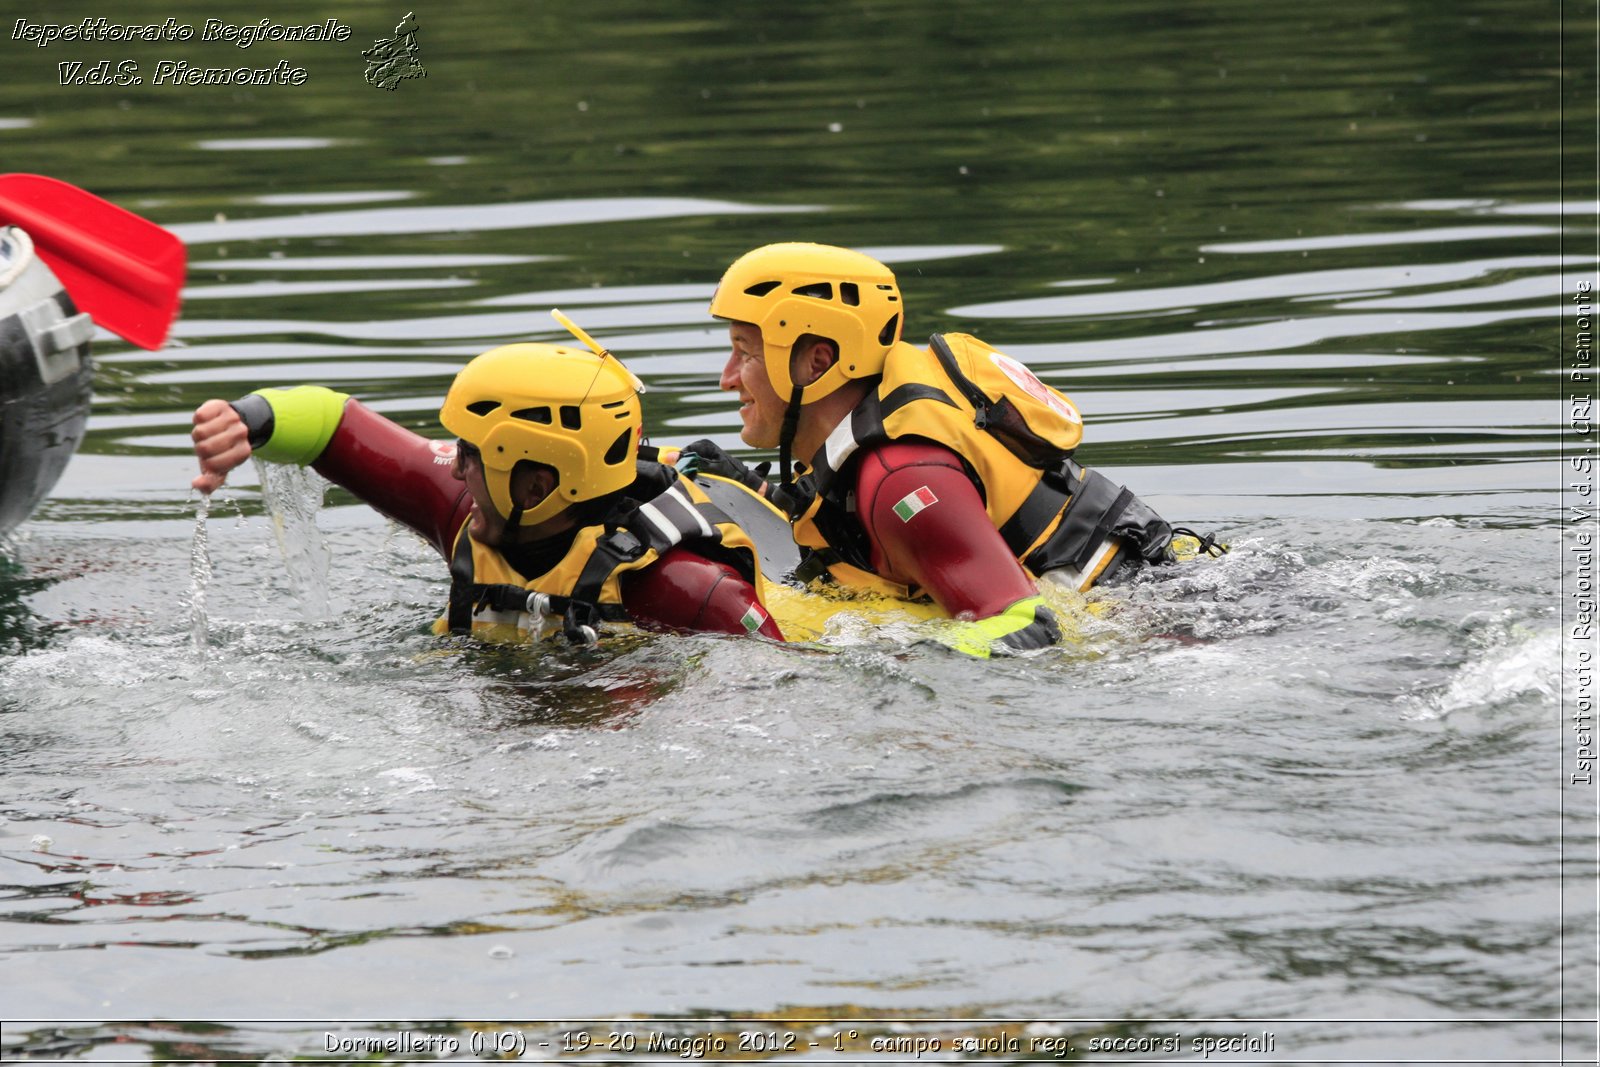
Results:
<point x="914" y="502"/>
<point x="752" y="619"/>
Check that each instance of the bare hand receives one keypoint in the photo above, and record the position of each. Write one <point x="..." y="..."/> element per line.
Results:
<point x="221" y="441"/>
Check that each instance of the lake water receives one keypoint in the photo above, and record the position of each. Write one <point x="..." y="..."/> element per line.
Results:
<point x="1309" y="274"/>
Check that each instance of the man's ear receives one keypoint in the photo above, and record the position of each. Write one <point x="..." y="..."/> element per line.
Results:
<point x="531" y="485"/>
<point x="811" y="363"/>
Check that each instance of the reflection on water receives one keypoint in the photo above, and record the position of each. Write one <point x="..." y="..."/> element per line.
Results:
<point x="474" y="218"/>
<point x="1296" y="265"/>
<point x="1418" y="358"/>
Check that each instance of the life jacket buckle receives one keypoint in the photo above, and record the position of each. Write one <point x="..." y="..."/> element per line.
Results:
<point x="625" y="544"/>
<point x="579" y="625"/>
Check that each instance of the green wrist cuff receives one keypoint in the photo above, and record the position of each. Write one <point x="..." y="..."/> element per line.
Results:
<point x="303" y="421"/>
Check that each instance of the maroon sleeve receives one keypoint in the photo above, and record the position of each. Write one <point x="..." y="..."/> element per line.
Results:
<point x="686" y="591"/>
<point x="403" y="475"/>
<point x="941" y="538"/>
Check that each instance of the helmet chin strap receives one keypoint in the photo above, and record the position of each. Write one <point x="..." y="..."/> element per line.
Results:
<point x="514" y="520"/>
<point x="791" y="423"/>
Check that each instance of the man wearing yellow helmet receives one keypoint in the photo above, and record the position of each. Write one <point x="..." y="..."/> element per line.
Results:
<point x="543" y="505"/>
<point x="945" y="471"/>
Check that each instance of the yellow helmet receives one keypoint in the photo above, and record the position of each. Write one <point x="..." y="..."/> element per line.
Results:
<point x="566" y="408"/>
<point x="796" y="288"/>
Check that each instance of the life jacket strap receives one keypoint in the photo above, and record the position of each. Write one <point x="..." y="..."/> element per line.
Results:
<point x="1042" y="504"/>
<point x="910" y="391"/>
<point x="468" y="597"/>
<point x="791" y="426"/>
<point x="668" y="520"/>
<point x="657" y="525"/>
<point x="615" y="549"/>
<point x="815" y="563"/>
<point x="501" y="597"/>
<point x="1092" y="508"/>
<point x="1096" y="504"/>
<point x="458" y="613"/>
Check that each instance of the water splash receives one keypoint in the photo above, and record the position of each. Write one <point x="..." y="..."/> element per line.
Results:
<point x="199" y="577"/>
<point x="1520" y="664"/>
<point x="293" y="496"/>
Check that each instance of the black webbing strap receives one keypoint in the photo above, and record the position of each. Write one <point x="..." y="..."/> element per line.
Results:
<point x="791" y="425"/>
<point x="1096" y="505"/>
<point x="677" y="509"/>
<point x="1102" y="529"/>
<point x="866" y="426"/>
<point x="514" y="598"/>
<point x="905" y="394"/>
<point x="458" y="614"/>
<point x="610" y="552"/>
<point x="1042" y="505"/>
<point x="499" y="598"/>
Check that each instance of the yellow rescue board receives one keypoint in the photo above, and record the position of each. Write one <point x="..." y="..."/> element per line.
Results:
<point x="823" y="610"/>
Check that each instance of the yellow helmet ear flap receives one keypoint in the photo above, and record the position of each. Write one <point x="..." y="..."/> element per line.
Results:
<point x="793" y="289"/>
<point x="561" y="407"/>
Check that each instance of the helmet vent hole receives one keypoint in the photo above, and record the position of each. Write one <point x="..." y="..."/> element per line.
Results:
<point x="539" y="415"/>
<point x="483" y="407"/>
<point x="890" y="330"/>
<point x="570" y="418"/>
<point x="850" y="294"/>
<point x="614" y="404"/>
<point x="618" y="452"/>
<point x="819" y="290"/>
<point x="762" y="288"/>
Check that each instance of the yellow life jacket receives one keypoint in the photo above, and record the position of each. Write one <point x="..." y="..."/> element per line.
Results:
<point x="492" y="600"/>
<point x="1016" y="435"/>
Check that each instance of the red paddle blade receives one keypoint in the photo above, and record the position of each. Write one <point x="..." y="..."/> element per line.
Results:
<point x="125" y="271"/>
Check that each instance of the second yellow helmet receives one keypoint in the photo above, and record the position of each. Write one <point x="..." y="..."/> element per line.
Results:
<point x="563" y="407"/>
<point x="796" y="288"/>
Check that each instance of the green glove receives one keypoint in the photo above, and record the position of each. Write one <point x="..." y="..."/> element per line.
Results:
<point x="1026" y="625"/>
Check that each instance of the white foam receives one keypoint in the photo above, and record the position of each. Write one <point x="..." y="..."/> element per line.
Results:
<point x="418" y="779"/>
<point x="1494" y="678"/>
